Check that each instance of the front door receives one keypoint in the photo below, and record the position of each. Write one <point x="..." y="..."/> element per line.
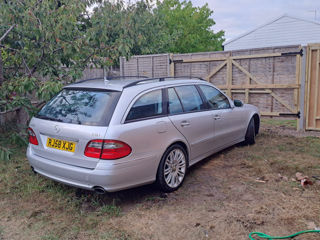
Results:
<point x="227" y="122"/>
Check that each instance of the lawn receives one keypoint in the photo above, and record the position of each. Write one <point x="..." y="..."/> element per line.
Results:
<point x="226" y="196"/>
<point x="286" y="123"/>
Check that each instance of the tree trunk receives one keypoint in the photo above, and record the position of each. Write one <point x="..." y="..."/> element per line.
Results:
<point x="1" y="69"/>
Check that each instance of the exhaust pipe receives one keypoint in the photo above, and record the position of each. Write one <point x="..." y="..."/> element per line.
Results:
<point x="99" y="190"/>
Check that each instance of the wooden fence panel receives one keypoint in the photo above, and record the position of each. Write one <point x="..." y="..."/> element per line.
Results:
<point x="92" y="73"/>
<point x="313" y="88"/>
<point x="156" y="65"/>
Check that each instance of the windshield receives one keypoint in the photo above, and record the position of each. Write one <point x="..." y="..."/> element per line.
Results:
<point x="86" y="107"/>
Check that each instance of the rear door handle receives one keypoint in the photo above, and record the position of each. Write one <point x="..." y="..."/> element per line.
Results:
<point x="216" y="117"/>
<point x="184" y="123"/>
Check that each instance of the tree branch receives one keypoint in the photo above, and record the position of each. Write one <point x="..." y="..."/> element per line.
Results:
<point x="36" y="18"/>
<point x="24" y="61"/>
<point x="11" y="110"/>
<point x="35" y="66"/>
<point x="12" y="49"/>
<point x="7" y="32"/>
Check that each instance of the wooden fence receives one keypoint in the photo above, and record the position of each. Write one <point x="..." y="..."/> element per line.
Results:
<point x="268" y="77"/>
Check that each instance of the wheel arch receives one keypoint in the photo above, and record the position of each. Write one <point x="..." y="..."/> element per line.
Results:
<point x="183" y="145"/>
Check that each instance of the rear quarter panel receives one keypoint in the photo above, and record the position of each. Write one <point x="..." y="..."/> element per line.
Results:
<point x="148" y="139"/>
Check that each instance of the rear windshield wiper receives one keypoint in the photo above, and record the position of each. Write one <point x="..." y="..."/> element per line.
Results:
<point x="48" y="118"/>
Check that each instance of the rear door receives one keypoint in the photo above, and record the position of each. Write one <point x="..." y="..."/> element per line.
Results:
<point x="187" y="111"/>
<point x="69" y="121"/>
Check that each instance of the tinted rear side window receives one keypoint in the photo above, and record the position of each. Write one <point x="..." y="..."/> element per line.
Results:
<point x="190" y="98"/>
<point x="84" y="107"/>
<point x="148" y="105"/>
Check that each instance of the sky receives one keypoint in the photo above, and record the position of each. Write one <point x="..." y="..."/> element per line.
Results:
<point x="238" y="17"/>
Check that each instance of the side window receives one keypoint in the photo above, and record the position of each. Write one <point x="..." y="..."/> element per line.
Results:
<point x="190" y="98"/>
<point x="148" y="105"/>
<point x="215" y="98"/>
<point x="174" y="102"/>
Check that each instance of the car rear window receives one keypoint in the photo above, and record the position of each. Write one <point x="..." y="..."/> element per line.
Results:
<point x="148" y="105"/>
<point x="81" y="106"/>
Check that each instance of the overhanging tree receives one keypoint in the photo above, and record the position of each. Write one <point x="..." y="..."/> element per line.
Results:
<point x="52" y="42"/>
<point x="188" y="27"/>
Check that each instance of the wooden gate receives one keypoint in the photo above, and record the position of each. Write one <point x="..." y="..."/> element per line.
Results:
<point x="313" y="88"/>
<point x="275" y="96"/>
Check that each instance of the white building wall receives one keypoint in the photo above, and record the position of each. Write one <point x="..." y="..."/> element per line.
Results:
<point x="285" y="30"/>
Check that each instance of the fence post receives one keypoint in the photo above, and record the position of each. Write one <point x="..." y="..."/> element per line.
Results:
<point x="121" y="66"/>
<point x="229" y="76"/>
<point x="171" y="65"/>
<point x="302" y="120"/>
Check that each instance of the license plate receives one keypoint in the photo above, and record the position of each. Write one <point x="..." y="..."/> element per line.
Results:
<point x="61" y="144"/>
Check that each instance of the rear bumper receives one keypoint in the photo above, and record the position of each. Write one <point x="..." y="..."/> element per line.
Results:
<point x="111" y="177"/>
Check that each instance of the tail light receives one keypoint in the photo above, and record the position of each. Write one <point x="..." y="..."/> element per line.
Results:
<point x="32" y="137"/>
<point x="107" y="149"/>
<point x="93" y="149"/>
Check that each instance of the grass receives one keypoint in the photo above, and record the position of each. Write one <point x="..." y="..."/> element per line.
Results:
<point x="309" y="146"/>
<point x="110" y="210"/>
<point x="1" y="232"/>
<point x="50" y="207"/>
<point x="51" y="236"/>
<point x="279" y="122"/>
<point x="220" y="198"/>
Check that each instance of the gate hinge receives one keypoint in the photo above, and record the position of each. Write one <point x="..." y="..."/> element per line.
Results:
<point x="293" y="53"/>
<point x="290" y="114"/>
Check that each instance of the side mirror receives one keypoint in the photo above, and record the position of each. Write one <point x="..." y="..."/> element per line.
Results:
<point x="238" y="103"/>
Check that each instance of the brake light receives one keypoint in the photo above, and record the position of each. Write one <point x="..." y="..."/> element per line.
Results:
<point x="93" y="149"/>
<point x="107" y="149"/>
<point x="32" y="137"/>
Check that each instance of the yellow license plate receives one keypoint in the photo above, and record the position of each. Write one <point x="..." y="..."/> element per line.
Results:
<point x="61" y="144"/>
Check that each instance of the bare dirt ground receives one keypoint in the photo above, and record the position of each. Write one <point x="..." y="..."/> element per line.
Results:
<point x="226" y="196"/>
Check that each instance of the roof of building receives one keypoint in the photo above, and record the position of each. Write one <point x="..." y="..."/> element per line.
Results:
<point x="268" y="23"/>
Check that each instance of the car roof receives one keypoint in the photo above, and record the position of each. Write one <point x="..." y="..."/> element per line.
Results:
<point x="119" y="83"/>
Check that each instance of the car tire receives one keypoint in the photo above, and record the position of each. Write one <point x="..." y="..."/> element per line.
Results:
<point x="250" y="138"/>
<point x="172" y="168"/>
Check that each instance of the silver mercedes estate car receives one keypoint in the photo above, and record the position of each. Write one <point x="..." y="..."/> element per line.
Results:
<point x="109" y="135"/>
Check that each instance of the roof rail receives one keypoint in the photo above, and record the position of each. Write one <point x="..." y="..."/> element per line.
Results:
<point x="109" y="78"/>
<point x="124" y="77"/>
<point x="160" y="79"/>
